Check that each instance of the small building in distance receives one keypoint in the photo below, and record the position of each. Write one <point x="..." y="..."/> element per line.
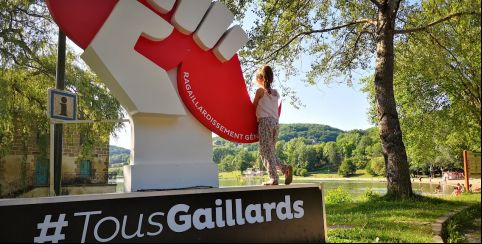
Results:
<point x="252" y="172"/>
<point x="25" y="170"/>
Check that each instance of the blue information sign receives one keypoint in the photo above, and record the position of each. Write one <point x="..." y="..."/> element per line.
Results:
<point x="62" y="105"/>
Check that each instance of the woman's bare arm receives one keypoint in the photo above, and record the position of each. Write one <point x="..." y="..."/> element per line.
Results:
<point x="259" y="95"/>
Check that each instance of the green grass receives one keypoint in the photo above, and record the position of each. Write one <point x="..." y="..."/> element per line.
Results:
<point x="383" y="220"/>
<point x="324" y="173"/>
<point x="371" y="218"/>
<point x="320" y="174"/>
<point x="229" y="175"/>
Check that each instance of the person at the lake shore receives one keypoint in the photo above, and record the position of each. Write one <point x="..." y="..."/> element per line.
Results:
<point x="477" y="189"/>
<point x="457" y="190"/>
<point x="438" y="188"/>
<point x="266" y="104"/>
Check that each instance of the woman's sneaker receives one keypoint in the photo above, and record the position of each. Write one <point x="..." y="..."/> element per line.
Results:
<point x="289" y="175"/>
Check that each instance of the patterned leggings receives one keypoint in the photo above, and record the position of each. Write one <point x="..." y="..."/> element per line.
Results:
<point x="268" y="134"/>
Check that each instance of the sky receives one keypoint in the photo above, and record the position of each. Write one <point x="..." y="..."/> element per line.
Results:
<point x="339" y="106"/>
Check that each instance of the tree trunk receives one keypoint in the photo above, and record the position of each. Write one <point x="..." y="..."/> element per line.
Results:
<point x="398" y="175"/>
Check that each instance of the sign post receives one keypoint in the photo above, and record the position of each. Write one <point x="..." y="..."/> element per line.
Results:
<point x="466" y="172"/>
<point x="471" y="166"/>
<point x="58" y="129"/>
<point x="62" y="106"/>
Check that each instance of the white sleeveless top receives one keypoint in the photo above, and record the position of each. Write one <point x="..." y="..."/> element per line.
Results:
<point x="268" y="105"/>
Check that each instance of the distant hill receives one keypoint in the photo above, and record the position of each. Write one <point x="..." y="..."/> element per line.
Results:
<point x="118" y="155"/>
<point x="317" y="133"/>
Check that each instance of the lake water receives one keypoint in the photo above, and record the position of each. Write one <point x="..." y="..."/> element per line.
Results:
<point x="354" y="187"/>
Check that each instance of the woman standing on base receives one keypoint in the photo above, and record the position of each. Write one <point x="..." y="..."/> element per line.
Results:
<point x="266" y="103"/>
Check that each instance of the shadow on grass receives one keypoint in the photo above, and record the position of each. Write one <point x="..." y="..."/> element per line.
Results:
<point x="356" y="175"/>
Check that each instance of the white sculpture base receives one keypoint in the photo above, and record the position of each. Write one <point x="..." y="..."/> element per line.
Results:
<point x="170" y="152"/>
<point x="170" y="176"/>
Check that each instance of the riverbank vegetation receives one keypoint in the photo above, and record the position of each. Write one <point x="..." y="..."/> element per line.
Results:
<point x="346" y="155"/>
<point x="309" y="148"/>
<point x="319" y="174"/>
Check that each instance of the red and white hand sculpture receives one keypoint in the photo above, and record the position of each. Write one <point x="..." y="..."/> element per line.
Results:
<point x="153" y="54"/>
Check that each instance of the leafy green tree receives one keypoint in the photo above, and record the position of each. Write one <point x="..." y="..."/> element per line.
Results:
<point x="333" y="155"/>
<point x="243" y="160"/>
<point x="251" y="147"/>
<point x="220" y="152"/>
<point x="27" y="70"/>
<point x="293" y="149"/>
<point x="441" y="108"/>
<point x="301" y="171"/>
<point x="300" y="155"/>
<point x="308" y="154"/>
<point x="437" y="84"/>
<point x="375" y="149"/>
<point x="23" y="104"/>
<point x="360" y="155"/>
<point x="376" y="166"/>
<point x="280" y="150"/>
<point x="227" y="164"/>
<point x="347" y="142"/>
<point x="319" y="153"/>
<point x="347" y="168"/>
<point x="361" y="31"/>
<point x="26" y="32"/>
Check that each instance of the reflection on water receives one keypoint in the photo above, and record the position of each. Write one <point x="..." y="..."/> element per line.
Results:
<point x="354" y="187"/>
<point x="429" y="188"/>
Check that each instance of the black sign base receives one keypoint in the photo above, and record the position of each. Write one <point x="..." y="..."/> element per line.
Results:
<point x="292" y="213"/>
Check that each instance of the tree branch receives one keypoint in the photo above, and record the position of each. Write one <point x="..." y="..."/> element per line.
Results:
<point x="32" y="14"/>
<point x="30" y="98"/>
<point x="394" y="6"/>
<point x="452" y="55"/>
<point x="376" y="2"/>
<point x="306" y="33"/>
<point x="425" y="27"/>
<point x="460" y="69"/>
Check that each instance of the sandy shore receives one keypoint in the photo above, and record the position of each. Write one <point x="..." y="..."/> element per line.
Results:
<point x="475" y="182"/>
<point x="341" y="179"/>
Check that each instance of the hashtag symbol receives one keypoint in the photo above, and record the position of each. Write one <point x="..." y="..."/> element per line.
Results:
<point x="47" y="225"/>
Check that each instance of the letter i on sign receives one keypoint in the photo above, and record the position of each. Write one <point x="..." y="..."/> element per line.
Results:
<point x="63" y="106"/>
